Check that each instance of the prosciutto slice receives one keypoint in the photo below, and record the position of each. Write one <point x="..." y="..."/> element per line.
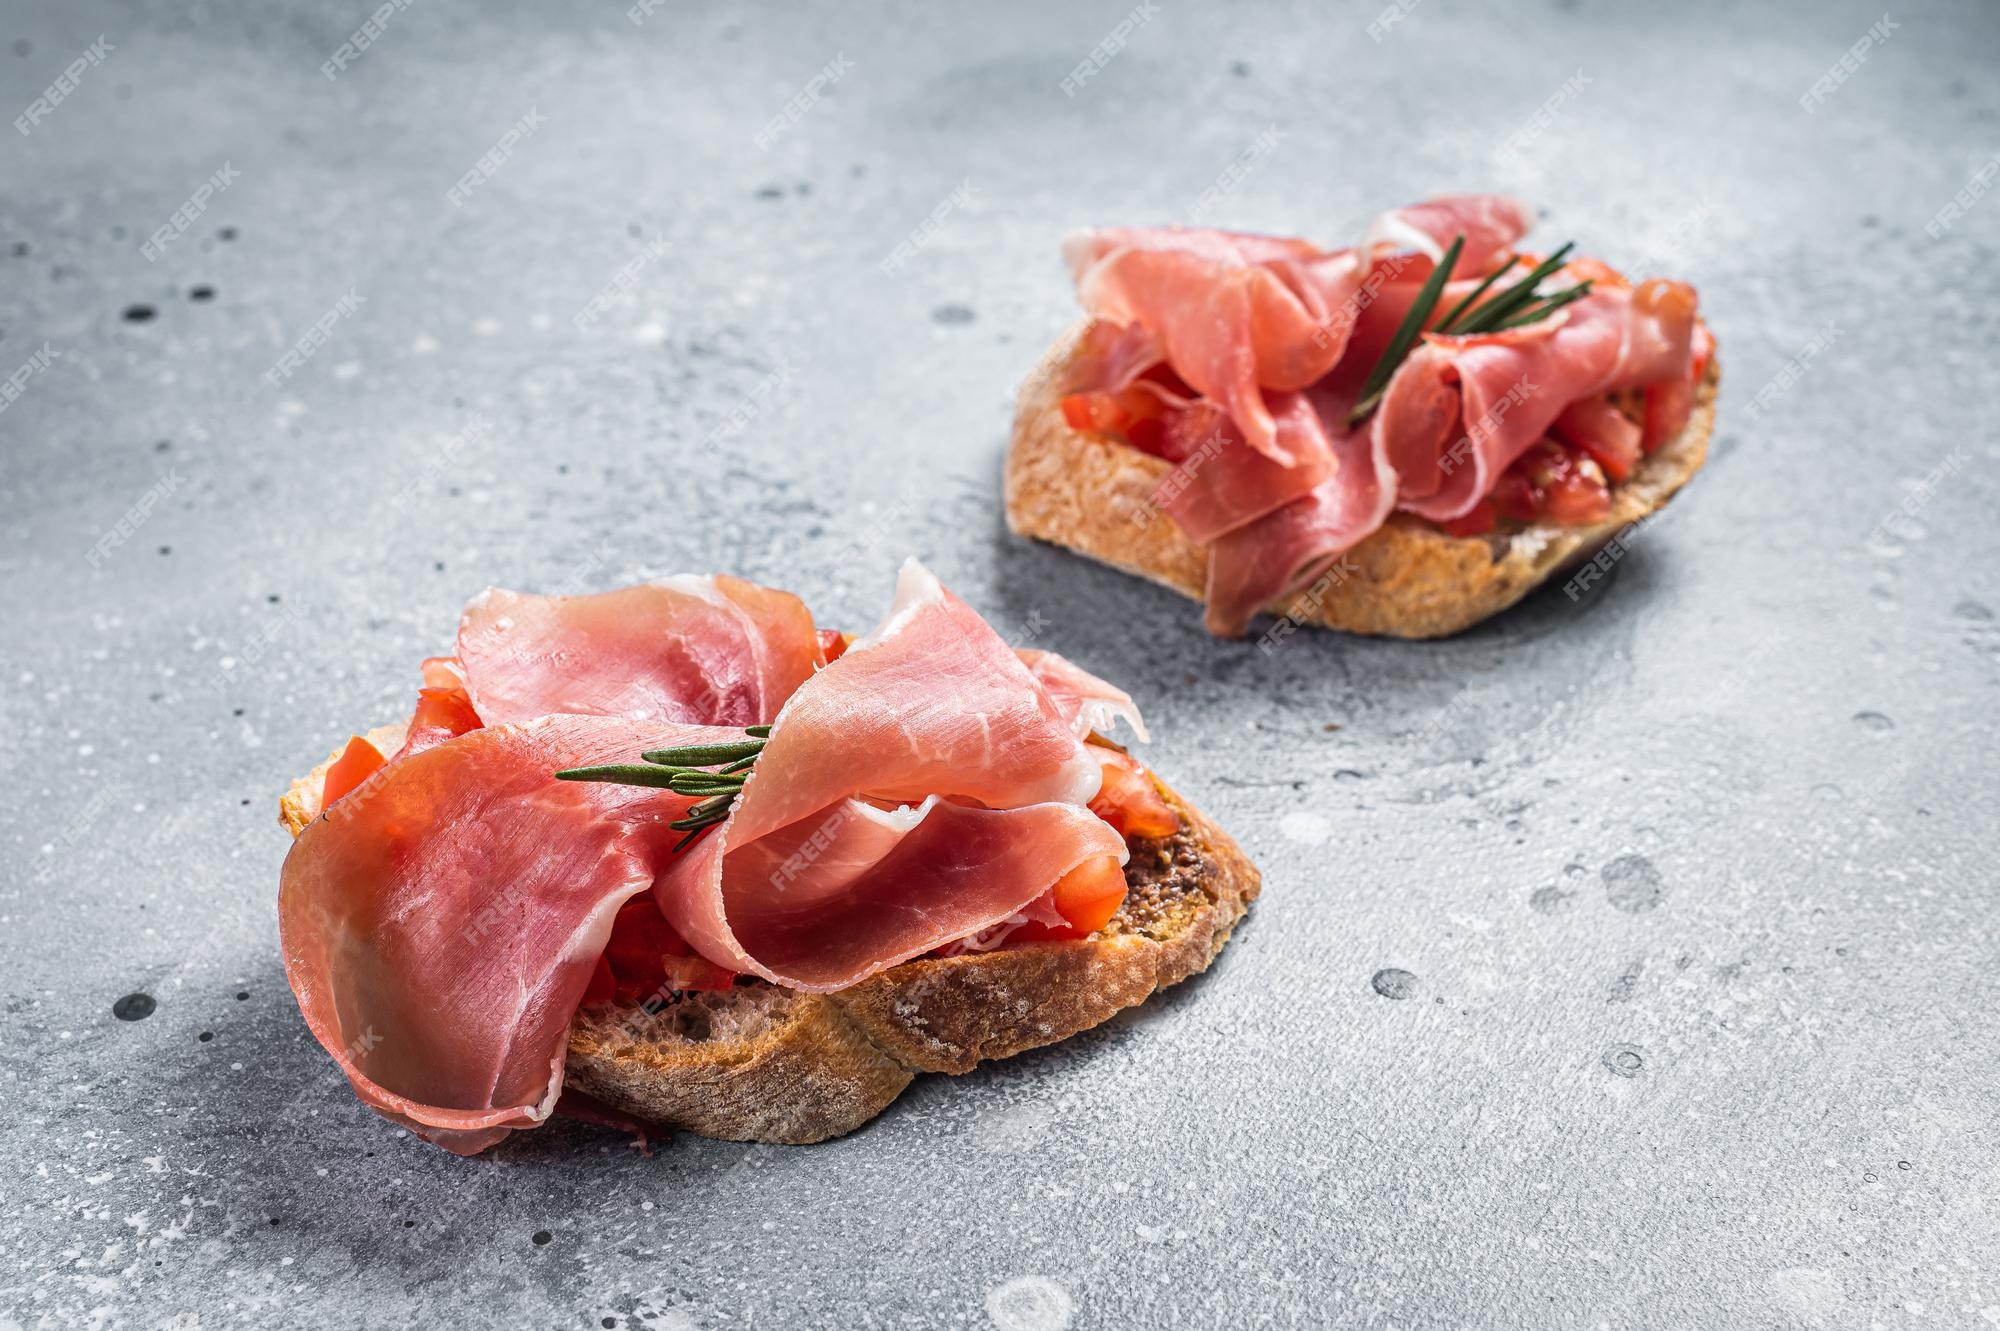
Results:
<point x="442" y="922"/>
<point x="1271" y="340"/>
<point x="711" y="650"/>
<point x="932" y="710"/>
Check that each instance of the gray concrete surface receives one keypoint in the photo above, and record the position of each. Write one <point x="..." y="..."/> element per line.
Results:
<point x="1623" y="963"/>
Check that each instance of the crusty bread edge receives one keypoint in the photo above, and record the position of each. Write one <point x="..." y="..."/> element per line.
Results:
<point x="824" y="1064"/>
<point x="1094" y="495"/>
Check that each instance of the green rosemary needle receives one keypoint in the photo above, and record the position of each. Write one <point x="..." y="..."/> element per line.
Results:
<point x="685" y="771"/>
<point x="1516" y="305"/>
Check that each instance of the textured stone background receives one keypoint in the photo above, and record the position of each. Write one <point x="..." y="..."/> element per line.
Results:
<point x="1622" y="963"/>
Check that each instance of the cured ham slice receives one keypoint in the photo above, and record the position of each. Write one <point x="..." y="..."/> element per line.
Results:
<point x="440" y="927"/>
<point x="1285" y="551"/>
<point x="1272" y="340"/>
<point x="1512" y="386"/>
<point x="708" y="650"/>
<point x="1085" y="701"/>
<point x="932" y="710"/>
<point x="442" y="923"/>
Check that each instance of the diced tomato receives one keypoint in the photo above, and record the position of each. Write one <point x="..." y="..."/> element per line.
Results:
<point x="1669" y="404"/>
<point x="832" y="642"/>
<point x="442" y="713"/>
<point x="1090" y="894"/>
<point x="1515" y="496"/>
<point x="1577" y="499"/>
<point x="356" y="763"/>
<point x="1135" y="415"/>
<point x="696" y="973"/>
<point x="645" y="956"/>
<point x="1476" y="523"/>
<point x="1595" y="271"/>
<point x="1607" y="434"/>
<point x="1128" y="799"/>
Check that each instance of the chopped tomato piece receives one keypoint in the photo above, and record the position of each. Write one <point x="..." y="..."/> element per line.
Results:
<point x="1577" y="499"/>
<point x="1135" y="415"/>
<point x="356" y="763"/>
<point x="1090" y="894"/>
<point x="1669" y="404"/>
<point x="832" y="642"/>
<point x="441" y="714"/>
<point x="1515" y="497"/>
<point x="1476" y="523"/>
<point x="1128" y="800"/>
<point x="646" y="957"/>
<point x="1604" y="432"/>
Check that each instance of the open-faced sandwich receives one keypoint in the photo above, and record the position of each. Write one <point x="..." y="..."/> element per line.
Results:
<point x="1402" y="437"/>
<point x="675" y="854"/>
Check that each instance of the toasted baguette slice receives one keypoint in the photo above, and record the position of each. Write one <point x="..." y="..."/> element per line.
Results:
<point x="1094" y="495"/>
<point x="761" y="1063"/>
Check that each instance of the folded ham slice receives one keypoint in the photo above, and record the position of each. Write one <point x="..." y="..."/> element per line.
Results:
<point x="933" y="710"/>
<point x="1237" y="357"/>
<point x="712" y="650"/>
<point x="441" y="923"/>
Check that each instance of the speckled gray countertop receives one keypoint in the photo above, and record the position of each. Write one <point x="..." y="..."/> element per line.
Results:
<point x="1628" y="962"/>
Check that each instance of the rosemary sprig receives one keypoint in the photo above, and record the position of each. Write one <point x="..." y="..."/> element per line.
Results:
<point x="1406" y="333"/>
<point x="1516" y="305"/>
<point x="685" y="771"/>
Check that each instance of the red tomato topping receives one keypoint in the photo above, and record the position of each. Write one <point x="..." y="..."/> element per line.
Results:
<point x="1128" y="800"/>
<point x="1090" y="894"/>
<point x="441" y="714"/>
<point x="832" y="642"/>
<point x="1607" y="434"/>
<point x="1476" y="523"/>
<point x="356" y="763"/>
<point x="645" y="957"/>
<point x="1135" y="415"/>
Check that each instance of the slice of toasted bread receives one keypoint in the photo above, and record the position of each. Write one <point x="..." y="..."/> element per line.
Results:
<point x="761" y="1063"/>
<point x="1094" y="494"/>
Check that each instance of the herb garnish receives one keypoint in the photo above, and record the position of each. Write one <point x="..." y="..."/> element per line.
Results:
<point x="1517" y="305"/>
<point x="685" y="771"/>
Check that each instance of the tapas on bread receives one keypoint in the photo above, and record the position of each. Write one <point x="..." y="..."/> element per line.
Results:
<point x="677" y="855"/>
<point x="1399" y="437"/>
